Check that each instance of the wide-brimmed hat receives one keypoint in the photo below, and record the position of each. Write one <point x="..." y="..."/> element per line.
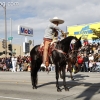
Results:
<point x="60" y="21"/>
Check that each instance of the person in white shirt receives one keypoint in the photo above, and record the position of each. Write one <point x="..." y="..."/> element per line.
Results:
<point x="91" y="61"/>
<point x="14" y="62"/>
<point x="48" y="37"/>
<point x="91" y="57"/>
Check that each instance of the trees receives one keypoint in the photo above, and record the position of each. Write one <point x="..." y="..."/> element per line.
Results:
<point x="30" y="42"/>
<point x="96" y="32"/>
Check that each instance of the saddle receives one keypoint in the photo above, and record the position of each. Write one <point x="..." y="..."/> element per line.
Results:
<point x="50" y="49"/>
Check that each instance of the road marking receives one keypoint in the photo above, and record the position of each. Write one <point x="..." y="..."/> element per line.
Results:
<point x="13" y="98"/>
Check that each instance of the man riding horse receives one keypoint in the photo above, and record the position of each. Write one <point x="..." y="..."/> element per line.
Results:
<point x="50" y="31"/>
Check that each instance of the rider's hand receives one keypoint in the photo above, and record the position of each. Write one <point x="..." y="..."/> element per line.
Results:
<point x="62" y="31"/>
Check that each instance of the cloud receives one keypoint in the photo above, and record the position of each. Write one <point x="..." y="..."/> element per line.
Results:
<point x="36" y="14"/>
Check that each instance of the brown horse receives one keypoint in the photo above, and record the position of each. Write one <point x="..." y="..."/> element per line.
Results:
<point x="71" y="64"/>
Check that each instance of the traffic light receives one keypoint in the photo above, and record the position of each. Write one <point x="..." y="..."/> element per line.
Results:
<point x="10" y="47"/>
<point x="27" y="47"/>
<point x="4" y="43"/>
<point x="1" y="53"/>
<point x="4" y="52"/>
<point x="10" y="54"/>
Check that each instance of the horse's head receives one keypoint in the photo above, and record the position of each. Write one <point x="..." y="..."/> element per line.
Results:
<point x="75" y="44"/>
<point x="71" y="43"/>
<point x="78" y="44"/>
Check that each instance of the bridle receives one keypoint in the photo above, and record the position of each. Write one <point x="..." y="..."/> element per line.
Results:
<point x="71" y="51"/>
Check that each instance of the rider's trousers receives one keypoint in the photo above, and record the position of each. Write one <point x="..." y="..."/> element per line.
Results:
<point x="45" y="52"/>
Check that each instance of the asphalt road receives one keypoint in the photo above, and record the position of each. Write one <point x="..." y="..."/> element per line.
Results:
<point x="17" y="86"/>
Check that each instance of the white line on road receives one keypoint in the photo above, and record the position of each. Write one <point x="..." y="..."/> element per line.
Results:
<point x="13" y="98"/>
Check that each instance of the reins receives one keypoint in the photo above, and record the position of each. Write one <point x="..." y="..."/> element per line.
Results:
<point x="67" y="54"/>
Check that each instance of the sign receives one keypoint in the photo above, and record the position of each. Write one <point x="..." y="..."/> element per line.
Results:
<point x="26" y="47"/>
<point x="4" y="43"/>
<point x="83" y="30"/>
<point x="10" y="38"/>
<point x="26" y="31"/>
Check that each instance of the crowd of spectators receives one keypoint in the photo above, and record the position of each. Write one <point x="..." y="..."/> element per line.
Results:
<point x="88" y="59"/>
<point x="19" y="63"/>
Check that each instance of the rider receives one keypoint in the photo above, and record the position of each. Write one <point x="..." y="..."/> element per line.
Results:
<point x="48" y="37"/>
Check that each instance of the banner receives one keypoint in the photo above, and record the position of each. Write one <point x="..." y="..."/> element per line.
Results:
<point x="83" y="30"/>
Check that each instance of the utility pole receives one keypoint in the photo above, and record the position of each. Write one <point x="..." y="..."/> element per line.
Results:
<point x="4" y="6"/>
<point x="11" y="30"/>
<point x="5" y="31"/>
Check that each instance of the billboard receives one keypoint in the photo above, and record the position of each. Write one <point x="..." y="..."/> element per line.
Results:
<point x="26" y="31"/>
<point x="83" y="30"/>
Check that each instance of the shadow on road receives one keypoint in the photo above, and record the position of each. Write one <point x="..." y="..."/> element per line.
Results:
<point x="93" y="88"/>
<point x="72" y="82"/>
<point x="77" y="76"/>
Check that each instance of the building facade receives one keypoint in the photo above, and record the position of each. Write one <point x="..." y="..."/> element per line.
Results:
<point x="84" y="31"/>
<point x="17" y="49"/>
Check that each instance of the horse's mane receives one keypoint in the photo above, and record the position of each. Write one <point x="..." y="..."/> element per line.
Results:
<point x="68" y="39"/>
<point x="66" y="43"/>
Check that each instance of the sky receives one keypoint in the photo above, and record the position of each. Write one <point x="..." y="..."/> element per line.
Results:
<point x="37" y="13"/>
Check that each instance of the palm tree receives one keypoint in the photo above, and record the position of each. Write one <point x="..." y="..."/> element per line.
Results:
<point x="30" y="42"/>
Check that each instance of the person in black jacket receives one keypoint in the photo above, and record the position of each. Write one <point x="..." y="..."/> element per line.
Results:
<point x="86" y="63"/>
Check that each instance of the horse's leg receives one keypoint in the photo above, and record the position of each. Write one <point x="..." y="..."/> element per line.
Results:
<point x="64" y="78"/>
<point x="34" y="69"/>
<point x="47" y="69"/>
<point x="34" y="80"/>
<point x="70" y="68"/>
<point x="71" y="75"/>
<point x="57" y="77"/>
<point x="60" y="73"/>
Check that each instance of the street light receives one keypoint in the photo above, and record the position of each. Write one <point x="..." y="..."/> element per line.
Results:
<point x="4" y="6"/>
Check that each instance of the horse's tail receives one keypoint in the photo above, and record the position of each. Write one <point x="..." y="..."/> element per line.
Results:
<point x="35" y="64"/>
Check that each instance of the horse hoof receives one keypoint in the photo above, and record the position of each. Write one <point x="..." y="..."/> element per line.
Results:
<point x="34" y="87"/>
<point x="58" y="90"/>
<point x="75" y="72"/>
<point x="72" y="79"/>
<point x="66" y="89"/>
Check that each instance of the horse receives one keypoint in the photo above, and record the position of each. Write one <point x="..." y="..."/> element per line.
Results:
<point x="59" y="55"/>
<point x="71" y="64"/>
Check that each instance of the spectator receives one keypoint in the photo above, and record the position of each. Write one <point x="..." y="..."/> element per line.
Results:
<point x="14" y="62"/>
<point x="4" y="67"/>
<point x="91" y="57"/>
<point x="80" y="61"/>
<point x="86" y="63"/>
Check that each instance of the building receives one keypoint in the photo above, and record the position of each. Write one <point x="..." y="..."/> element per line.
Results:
<point x="18" y="49"/>
<point x="83" y="30"/>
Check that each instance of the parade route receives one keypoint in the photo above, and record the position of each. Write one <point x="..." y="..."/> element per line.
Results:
<point x="17" y="86"/>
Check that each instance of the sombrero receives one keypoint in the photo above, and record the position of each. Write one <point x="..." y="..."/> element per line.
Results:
<point x="57" y="19"/>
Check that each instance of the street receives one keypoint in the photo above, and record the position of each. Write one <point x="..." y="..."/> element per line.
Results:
<point x="17" y="86"/>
